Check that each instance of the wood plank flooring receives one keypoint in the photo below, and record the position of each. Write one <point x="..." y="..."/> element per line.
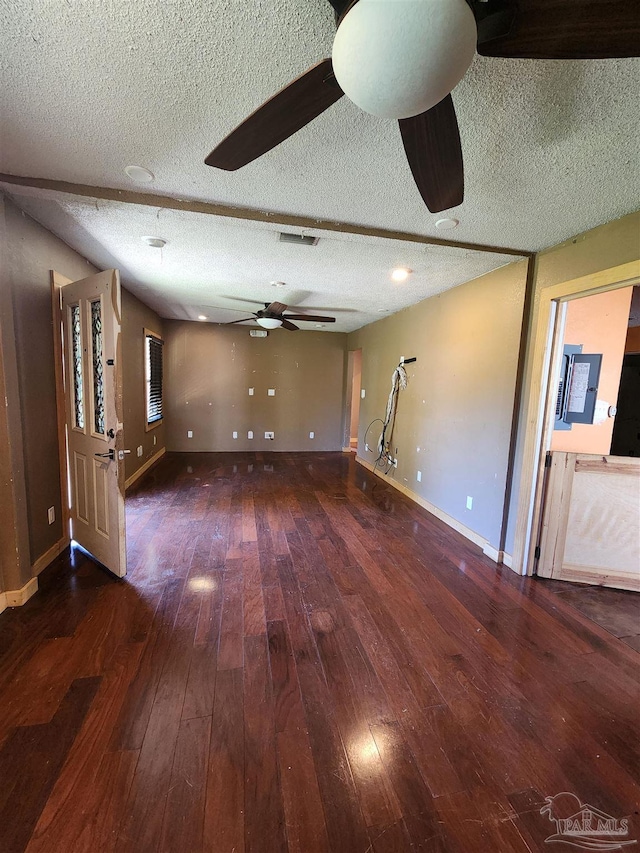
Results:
<point x="302" y="660"/>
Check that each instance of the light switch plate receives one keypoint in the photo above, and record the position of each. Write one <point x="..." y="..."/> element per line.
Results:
<point x="271" y="392"/>
<point x="312" y="435"/>
<point x="250" y="434"/>
<point x="251" y="392"/>
<point x="363" y="393"/>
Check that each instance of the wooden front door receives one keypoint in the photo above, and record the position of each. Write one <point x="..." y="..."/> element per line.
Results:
<point x="93" y="404"/>
<point x="591" y="520"/>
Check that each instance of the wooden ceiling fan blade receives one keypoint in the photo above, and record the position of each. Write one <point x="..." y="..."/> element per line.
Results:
<point x="315" y="317"/>
<point x="432" y="144"/>
<point x="291" y="326"/>
<point x="244" y="320"/>
<point x="279" y="118"/>
<point x="569" y="29"/>
<point x="275" y="308"/>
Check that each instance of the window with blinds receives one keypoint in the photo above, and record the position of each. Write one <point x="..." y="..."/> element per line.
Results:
<point x="153" y="351"/>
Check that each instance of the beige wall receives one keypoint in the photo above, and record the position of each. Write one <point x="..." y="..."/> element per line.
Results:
<point x="136" y="317"/>
<point x="209" y="370"/>
<point x="600" y="324"/>
<point x="609" y="245"/>
<point x="458" y="405"/>
<point x="28" y="253"/>
<point x="601" y="248"/>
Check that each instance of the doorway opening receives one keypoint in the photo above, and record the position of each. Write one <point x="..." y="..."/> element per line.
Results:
<point x="354" y="388"/>
<point x="626" y="429"/>
<point x="541" y="401"/>
<point x="589" y="521"/>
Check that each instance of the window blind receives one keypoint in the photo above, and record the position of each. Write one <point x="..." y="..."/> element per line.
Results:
<point x="154" y="379"/>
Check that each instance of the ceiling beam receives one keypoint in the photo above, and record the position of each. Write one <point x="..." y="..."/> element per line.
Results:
<point x="247" y="213"/>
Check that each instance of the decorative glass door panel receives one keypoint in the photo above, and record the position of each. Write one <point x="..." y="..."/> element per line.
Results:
<point x="91" y="308"/>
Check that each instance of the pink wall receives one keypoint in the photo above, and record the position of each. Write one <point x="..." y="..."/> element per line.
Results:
<point x="600" y="324"/>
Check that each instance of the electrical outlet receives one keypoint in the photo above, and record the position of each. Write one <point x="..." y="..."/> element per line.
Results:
<point x="469" y="502"/>
<point x="51" y="514"/>
<point x="312" y="435"/>
<point x="250" y="434"/>
<point x="251" y="390"/>
<point x="235" y="434"/>
<point x="367" y="448"/>
<point x="139" y="450"/>
<point x="189" y="433"/>
<point x="270" y="435"/>
<point x="155" y="440"/>
<point x="419" y="476"/>
<point x="363" y="394"/>
<point x="395" y="463"/>
<point x="271" y="392"/>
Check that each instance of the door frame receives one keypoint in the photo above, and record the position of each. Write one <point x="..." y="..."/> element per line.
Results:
<point x="348" y="395"/>
<point x="540" y="384"/>
<point x="57" y="283"/>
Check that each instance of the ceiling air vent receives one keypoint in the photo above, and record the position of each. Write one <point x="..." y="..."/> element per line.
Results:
<point x="298" y="239"/>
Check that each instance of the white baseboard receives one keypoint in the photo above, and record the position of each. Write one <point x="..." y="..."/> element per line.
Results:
<point x="44" y="559"/>
<point x="493" y="553"/>
<point x="432" y="508"/>
<point x="18" y="597"/>
<point x="144" y="468"/>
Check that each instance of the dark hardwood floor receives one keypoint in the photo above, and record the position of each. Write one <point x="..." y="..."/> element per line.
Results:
<point x="302" y="660"/>
<point x="616" y="610"/>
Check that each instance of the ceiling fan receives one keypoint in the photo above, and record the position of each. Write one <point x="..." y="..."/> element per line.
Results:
<point x="402" y="58"/>
<point x="272" y="316"/>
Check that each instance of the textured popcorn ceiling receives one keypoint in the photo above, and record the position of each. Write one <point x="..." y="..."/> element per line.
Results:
<point x="89" y="88"/>
<point x="218" y="267"/>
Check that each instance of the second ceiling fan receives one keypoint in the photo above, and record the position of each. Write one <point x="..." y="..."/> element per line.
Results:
<point x="273" y="316"/>
<point x="402" y="58"/>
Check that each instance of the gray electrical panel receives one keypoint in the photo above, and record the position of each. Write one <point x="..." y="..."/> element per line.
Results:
<point x="569" y="351"/>
<point x="577" y="388"/>
<point x="582" y="391"/>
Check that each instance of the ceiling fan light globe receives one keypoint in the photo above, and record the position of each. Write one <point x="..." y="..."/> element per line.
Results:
<point x="399" y="58"/>
<point x="269" y="322"/>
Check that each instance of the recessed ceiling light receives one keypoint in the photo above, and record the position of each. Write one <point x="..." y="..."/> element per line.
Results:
<point x="447" y="224"/>
<point x="278" y="283"/>
<point x="154" y="242"/>
<point x="201" y="317"/>
<point x="139" y="174"/>
<point x="382" y="310"/>
<point x="401" y="274"/>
